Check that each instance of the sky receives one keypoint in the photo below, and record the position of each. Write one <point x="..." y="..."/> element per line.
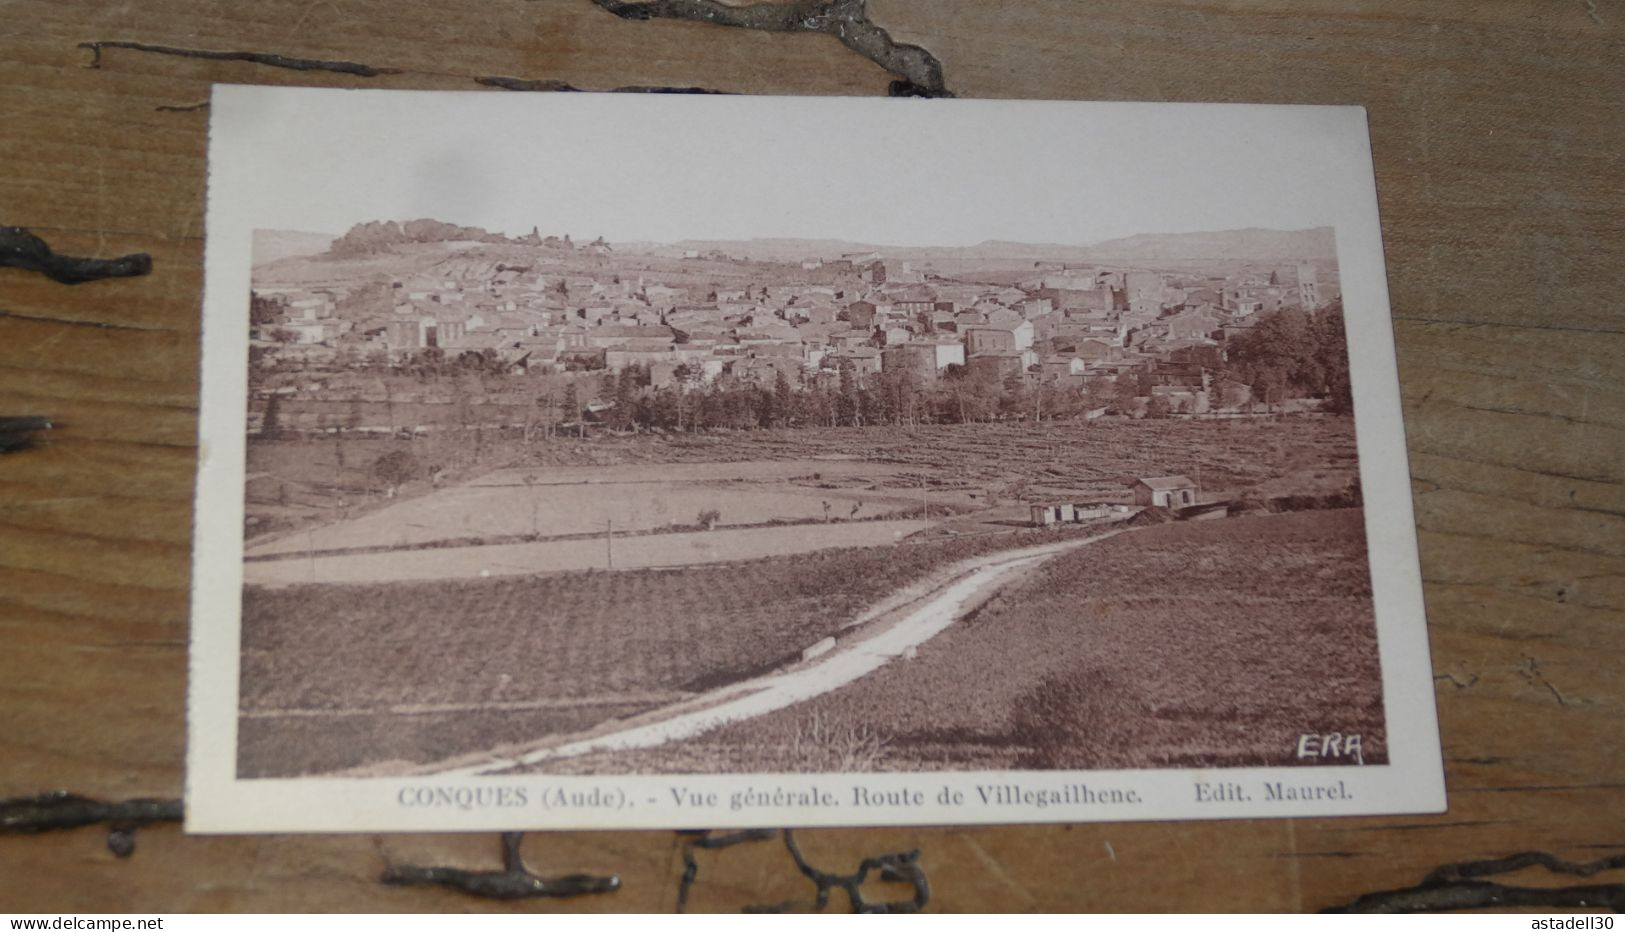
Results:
<point x="663" y="168"/>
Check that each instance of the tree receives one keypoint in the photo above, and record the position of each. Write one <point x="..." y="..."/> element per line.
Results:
<point x="784" y="402"/>
<point x="572" y="407"/>
<point x="427" y="363"/>
<point x="271" y="423"/>
<point x="954" y="390"/>
<point x="1046" y="400"/>
<point x="1125" y="393"/>
<point x="662" y="410"/>
<point x="685" y="377"/>
<point x="623" y="388"/>
<point x="541" y="415"/>
<point x="849" y="403"/>
<point x="1232" y="394"/>
<point x="1092" y="395"/>
<point x="896" y="396"/>
<point x="1014" y="401"/>
<point x="263" y="310"/>
<point x="765" y="406"/>
<point x="1283" y="356"/>
<point x="1332" y="355"/>
<point x="394" y="469"/>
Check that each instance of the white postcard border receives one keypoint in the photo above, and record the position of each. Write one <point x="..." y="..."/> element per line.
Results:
<point x="218" y="802"/>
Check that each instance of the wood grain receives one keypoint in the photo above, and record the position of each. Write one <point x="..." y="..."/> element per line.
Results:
<point x="1497" y="131"/>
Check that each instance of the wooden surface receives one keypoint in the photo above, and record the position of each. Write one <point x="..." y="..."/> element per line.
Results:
<point x="1498" y="135"/>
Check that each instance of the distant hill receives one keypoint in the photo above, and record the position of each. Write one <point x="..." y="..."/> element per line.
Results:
<point x="380" y="250"/>
<point x="271" y="245"/>
<point x="1319" y="243"/>
<point x="382" y="236"/>
<point x="775" y="249"/>
<point x="1153" y="248"/>
<point x="324" y="268"/>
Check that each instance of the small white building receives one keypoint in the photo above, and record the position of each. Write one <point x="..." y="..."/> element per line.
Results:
<point x="1073" y="513"/>
<point x="1165" y="492"/>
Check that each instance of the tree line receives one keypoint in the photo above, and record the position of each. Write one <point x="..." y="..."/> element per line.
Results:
<point x="1295" y="354"/>
<point x="831" y="398"/>
<point x="1288" y="354"/>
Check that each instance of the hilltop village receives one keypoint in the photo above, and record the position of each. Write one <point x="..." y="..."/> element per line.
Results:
<point x="620" y="327"/>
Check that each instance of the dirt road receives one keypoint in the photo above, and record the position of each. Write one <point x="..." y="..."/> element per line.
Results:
<point x="863" y="651"/>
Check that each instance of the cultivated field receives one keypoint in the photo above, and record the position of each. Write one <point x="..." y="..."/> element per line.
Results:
<point x="563" y="501"/>
<point x="639" y="484"/>
<point x="599" y="553"/>
<point x="344" y="676"/>
<point x="1209" y="644"/>
<point x="1206" y="643"/>
<point x="1099" y="457"/>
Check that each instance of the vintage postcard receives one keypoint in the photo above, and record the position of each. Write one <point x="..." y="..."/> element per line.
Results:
<point x="616" y="461"/>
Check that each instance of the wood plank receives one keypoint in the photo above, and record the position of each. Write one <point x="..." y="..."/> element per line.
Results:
<point x="1496" y="130"/>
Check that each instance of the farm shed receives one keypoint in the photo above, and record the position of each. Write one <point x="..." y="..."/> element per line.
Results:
<point x="1165" y="491"/>
<point x="1068" y="513"/>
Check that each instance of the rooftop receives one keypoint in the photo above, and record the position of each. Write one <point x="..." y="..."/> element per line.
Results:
<point x="1164" y="483"/>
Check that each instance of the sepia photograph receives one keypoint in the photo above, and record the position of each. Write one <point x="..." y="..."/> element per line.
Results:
<point x="606" y="501"/>
<point x="886" y="453"/>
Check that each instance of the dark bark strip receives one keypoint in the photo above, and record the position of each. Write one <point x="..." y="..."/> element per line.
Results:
<point x="77" y="322"/>
<point x="1470" y="870"/>
<point x="23" y="250"/>
<point x="258" y="58"/>
<point x="691" y="867"/>
<point x="899" y="867"/>
<point x="513" y="882"/>
<point x="550" y="84"/>
<point x="56" y="811"/>
<point x="18" y="434"/>
<point x="919" y="72"/>
<point x="525" y="84"/>
<point x="355" y="68"/>
<point x="1459" y="886"/>
<point x="663" y="89"/>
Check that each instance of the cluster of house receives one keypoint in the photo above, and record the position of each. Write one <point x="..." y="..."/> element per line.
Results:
<point x="1064" y="326"/>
